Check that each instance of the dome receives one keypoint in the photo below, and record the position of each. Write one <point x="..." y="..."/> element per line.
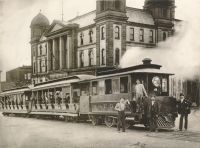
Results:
<point x="40" y="20"/>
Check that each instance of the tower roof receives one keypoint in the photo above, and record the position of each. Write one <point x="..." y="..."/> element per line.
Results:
<point x="40" y="20"/>
<point x="159" y="2"/>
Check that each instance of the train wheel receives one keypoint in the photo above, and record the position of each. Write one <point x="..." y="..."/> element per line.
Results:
<point x="93" y="119"/>
<point x="109" y="121"/>
<point x="127" y="124"/>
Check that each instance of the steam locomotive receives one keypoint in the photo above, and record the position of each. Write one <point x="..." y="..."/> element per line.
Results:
<point x="83" y="97"/>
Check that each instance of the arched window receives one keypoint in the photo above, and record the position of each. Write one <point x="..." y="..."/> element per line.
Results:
<point x="90" y="36"/>
<point x="117" y="56"/>
<point x="103" y="56"/>
<point x="81" y="57"/>
<point x="102" y="33"/>
<point x="81" y="38"/>
<point x="117" y="32"/>
<point x="91" y="57"/>
<point x="164" y="36"/>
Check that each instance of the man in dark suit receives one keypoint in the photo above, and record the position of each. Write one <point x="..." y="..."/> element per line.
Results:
<point x="153" y="111"/>
<point x="183" y="109"/>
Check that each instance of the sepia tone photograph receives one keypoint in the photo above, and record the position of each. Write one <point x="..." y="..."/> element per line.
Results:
<point x="99" y="74"/>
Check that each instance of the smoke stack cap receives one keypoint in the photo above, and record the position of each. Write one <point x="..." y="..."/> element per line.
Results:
<point x="146" y="61"/>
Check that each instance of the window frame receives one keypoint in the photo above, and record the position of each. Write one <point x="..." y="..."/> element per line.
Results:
<point x="117" y="32"/>
<point x="81" y="58"/>
<point x="151" y="36"/>
<point x="117" y="57"/>
<point x="102" y="32"/>
<point x="132" y="34"/>
<point x="141" y="35"/>
<point x="103" y="56"/>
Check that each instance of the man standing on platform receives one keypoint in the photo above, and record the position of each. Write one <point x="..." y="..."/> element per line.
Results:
<point x="140" y="92"/>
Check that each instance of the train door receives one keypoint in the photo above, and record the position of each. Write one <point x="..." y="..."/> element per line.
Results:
<point x="85" y="97"/>
<point x="75" y="95"/>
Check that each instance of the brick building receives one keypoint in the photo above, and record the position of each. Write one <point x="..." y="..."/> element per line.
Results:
<point x="97" y="40"/>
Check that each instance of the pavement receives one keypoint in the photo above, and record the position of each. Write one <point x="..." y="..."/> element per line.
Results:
<point x="17" y="132"/>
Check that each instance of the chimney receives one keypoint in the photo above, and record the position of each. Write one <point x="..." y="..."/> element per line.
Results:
<point x="146" y="61"/>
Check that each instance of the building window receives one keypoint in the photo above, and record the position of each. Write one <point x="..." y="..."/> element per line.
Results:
<point x="117" y="56"/>
<point x="151" y="36"/>
<point x="132" y="32"/>
<point x="34" y="67"/>
<point x="103" y="33"/>
<point x="103" y="56"/>
<point x="102" y="5"/>
<point x="117" y="4"/>
<point x="164" y="14"/>
<point x="81" y="38"/>
<point x="91" y="35"/>
<point x="164" y="36"/>
<point x="40" y="65"/>
<point x="117" y="32"/>
<point x="91" y="57"/>
<point x="40" y="50"/>
<point x="141" y="35"/>
<point x="81" y="57"/>
<point x="108" y="86"/>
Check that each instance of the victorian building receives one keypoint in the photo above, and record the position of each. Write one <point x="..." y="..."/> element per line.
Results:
<point x="97" y="40"/>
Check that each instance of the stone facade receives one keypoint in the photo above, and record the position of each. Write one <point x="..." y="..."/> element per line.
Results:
<point x="97" y="40"/>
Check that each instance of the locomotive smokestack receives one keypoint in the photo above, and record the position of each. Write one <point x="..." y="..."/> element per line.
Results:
<point x="147" y="61"/>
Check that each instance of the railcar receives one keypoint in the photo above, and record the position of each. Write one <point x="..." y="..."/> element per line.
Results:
<point x="100" y="95"/>
<point x="58" y="97"/>
<point x="15" y="101"/>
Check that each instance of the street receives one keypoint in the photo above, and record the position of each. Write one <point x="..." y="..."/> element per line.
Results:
<point x="17" y="132"/>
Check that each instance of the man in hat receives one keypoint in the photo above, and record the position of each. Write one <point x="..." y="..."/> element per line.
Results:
<point x="153" y="111"/>
<point x="183" y="109"/>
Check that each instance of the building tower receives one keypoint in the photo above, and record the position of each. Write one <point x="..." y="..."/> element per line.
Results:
<point x="38" y="26"/>
<point x="163" y="12"/>
<point x="111" y="31"/>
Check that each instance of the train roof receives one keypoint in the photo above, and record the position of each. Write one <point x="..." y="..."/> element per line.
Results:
<point x="62" y="82"/>
<point x="15" y="91"/>
<point x="146" y="67"/>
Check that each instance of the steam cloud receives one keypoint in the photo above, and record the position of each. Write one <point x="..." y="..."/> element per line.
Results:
<point x="179" y="54"/>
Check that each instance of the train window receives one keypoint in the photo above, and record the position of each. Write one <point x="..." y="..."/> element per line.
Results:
<point x="164" y="85"/>
<point x="94" y="88"/>
<point x="101" y="87"/>
<point x="124" y="84"/>
<point x="115" y="86"/>
<point x="85" y="89"/>
<point x="108" y="86"/>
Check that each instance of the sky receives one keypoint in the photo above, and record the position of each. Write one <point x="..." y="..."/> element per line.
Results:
<point x="16" y="16"/>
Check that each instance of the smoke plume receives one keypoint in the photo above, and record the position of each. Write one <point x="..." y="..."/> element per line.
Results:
<point x="179" y="54"/>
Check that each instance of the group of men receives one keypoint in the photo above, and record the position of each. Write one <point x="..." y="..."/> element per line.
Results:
<point x="152" y="108"/>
